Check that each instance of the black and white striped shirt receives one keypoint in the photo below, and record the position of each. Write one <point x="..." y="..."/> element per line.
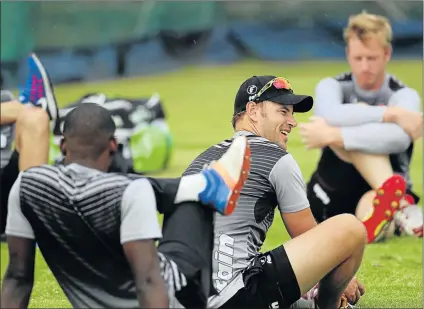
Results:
<point x="275" y="179"/>
<point x="80" y="218"/>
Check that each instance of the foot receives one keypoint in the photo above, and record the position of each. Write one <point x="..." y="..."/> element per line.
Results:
<point x="309" y="300"/>
<point x="38" y="89"/>
<point x="409" y="218"/>
<point x="226" y="177"/>
<point x="344" y="304"/>
<point x="385" y="204"/>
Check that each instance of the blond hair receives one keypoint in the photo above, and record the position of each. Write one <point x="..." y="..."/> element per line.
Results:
<point x="365" y="25"/>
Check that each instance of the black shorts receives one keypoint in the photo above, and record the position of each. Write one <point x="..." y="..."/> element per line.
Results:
<point x="268" y="280"/>
<point x="8" y="176"/>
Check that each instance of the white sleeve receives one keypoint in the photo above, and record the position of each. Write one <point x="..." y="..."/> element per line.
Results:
<point x="328" y="104"/>
<point x="139" y="219"/>
<point x="17" y="224"/>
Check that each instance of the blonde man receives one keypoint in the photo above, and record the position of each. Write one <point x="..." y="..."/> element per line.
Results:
<point x="366" y="124"/>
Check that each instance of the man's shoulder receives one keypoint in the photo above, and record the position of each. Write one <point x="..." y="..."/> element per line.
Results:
<point x="258" y="144"/>
<point x="345" y="77"/>
<point x="210" y="154"/>
<point x="342" y="80"/>
<point x="264" y="154"/>
<point x="41" y="169"/>
<point x="395" y="84"/>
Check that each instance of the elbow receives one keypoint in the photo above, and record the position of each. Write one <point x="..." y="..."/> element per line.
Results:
<point x="396" y="144"/>
<point x="151" y="291"/>
<point x="20" y="278"/>
<point x="145" y="284"/>
<point x="399" y="142"/>
<point x="400" y="145"/>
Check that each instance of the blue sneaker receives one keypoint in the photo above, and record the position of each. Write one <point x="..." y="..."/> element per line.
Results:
<point x="226" y="177"/>
<point x="38" y="89"/>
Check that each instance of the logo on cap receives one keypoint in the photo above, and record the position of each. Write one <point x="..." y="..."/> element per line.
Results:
<point x="252" y="89"/>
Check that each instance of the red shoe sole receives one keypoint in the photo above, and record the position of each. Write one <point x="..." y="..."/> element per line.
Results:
<point x="385" y="204"/>
<point x="235" y="193"/>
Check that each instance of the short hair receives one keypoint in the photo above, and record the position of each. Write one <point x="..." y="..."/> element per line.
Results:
<point x="88" y="128"/>
<point x="365" y="25"/>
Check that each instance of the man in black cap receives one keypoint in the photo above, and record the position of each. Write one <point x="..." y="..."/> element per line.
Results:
<point x="97" y="230"/>
<point x="263" y="112"/>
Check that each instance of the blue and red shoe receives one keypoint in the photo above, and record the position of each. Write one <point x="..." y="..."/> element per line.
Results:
<point x="38" y="89"/>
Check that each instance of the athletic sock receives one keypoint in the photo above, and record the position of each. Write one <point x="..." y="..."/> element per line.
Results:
<point x="190" y="187"/>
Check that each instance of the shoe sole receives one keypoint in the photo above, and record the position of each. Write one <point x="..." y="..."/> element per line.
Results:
<point x="385" y="203"/>
<point x="53" y="110"/>
<point x="244" y="173"/>
<point x="234" y="194"/>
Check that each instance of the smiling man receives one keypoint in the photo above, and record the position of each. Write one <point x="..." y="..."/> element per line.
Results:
<point x="263" y="112"/>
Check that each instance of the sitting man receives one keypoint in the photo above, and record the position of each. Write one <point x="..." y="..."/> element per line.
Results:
<point x="366" y="122"/>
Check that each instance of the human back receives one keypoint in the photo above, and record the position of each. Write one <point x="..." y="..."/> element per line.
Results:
<point x="73" y="203"/>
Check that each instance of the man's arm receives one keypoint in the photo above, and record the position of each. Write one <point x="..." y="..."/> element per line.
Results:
<point x="19" y="277"/>
<point x="329" y="105"/>
<point x="139" y="230"/>
<point x="380" y="138"/>
<point x="287" y="180"/>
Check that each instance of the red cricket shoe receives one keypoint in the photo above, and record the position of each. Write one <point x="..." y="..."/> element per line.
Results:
<point x="385" y="204"/>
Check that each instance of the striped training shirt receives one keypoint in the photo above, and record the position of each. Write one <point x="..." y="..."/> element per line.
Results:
<point x="275" y="179"/>
<point x="80" y="217"/>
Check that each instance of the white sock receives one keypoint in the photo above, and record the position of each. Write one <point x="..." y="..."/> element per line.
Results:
<point x="190" y="187"/>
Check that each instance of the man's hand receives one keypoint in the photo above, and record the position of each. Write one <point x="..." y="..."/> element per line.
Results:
<point x="410" y="121"/>
<point x="318" y="134"/>
<point x="354" y="291"/>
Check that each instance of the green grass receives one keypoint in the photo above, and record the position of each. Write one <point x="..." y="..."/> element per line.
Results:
<point x="199" y="105"/>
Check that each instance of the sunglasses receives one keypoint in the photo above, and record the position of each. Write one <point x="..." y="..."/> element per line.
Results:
<point x="277" y="83"/>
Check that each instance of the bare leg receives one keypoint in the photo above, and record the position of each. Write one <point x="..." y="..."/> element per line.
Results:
<point x="32" y="137"/>
<point x="375" y="169"/>
<point x="10" y="111"/>
<point x="330" y="254"/>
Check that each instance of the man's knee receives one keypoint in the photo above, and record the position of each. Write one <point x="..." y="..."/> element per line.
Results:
<point x="35" y="120"/>
<point x="342" y="154"/>
<point x="350" y="230"/>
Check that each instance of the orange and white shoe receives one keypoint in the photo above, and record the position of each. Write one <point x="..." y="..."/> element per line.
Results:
<point x="226" y="177"/>
<point x="385" y="204"/>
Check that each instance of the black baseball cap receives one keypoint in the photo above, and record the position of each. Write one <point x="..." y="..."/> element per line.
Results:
<point x="280" y="92"/>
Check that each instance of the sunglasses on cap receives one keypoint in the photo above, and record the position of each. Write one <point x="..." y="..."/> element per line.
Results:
<point x="279" y="83"/>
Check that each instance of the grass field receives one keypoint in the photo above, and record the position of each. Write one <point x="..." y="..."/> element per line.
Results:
<point x="199" y="104"/>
